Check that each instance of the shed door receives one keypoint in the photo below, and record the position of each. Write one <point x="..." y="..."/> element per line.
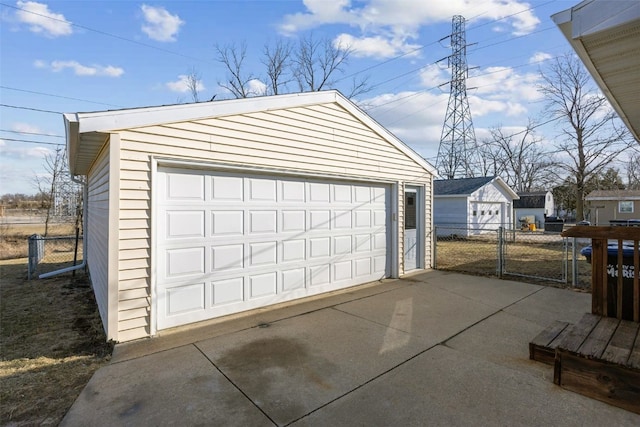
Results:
<point x="486" y="216"/>
<point x="227" y="243"/>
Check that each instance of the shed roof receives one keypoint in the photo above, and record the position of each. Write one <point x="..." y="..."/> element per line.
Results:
<point x="466" y="186"/>
<point x="531" y="200"/>
<point x="614" y="195"/>
<point x="87" y="132"/>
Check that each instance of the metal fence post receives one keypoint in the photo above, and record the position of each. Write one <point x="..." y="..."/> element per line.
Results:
<point x="500" y="268"/>
<point x="434" y="245"/>
<point x="574" y="262"/>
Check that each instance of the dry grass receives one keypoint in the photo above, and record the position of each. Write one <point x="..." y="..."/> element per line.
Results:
<point x="51" y="343"/>
<point x="13" y="237"/>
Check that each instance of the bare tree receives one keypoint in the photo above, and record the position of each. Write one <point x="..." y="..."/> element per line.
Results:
<point x="518" y="159"/>
<point x="232" y="57"/>
<point x="49" y="183"/>
<point x="316" y="62"/>
<point x="590" y="139"/>
<point x="194" y="83"/>
<point x="277" y="59"/>
<point x="633" y="171"/>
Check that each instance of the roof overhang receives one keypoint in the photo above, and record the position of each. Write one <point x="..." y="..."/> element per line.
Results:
<point x="606" y="37"/>
<point x="87" y="132"/>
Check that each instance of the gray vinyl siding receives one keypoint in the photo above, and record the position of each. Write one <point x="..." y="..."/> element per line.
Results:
<point x="97" y="231"/>
<point x="322" y="139"/>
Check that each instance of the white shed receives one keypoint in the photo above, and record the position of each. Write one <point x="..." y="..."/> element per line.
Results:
<point x="469" y="206"/>
<point x="536" y="205"/>
<point x="197" y="211"/>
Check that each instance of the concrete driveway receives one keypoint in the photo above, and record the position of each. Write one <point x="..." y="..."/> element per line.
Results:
<point x="435" y="348"/>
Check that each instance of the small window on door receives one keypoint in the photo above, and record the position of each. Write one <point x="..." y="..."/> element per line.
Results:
<point x="475" y="213"/>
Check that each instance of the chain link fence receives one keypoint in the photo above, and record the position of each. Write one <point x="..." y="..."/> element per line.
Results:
<point x="47" y="254"/>
<point x="536" y="256"/>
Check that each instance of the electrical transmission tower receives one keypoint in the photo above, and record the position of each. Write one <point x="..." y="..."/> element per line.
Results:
<point x="458" y="151"/>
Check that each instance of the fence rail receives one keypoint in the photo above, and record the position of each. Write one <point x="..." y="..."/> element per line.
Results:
<point x="48" y="254"/>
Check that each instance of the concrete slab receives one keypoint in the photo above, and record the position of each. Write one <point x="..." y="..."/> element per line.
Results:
<point x="175" y="387"/>
<point x="296" y="365"/>
<point x="509" y="347"/>
<point x="445" y="387"/>
<point x="200" y="331"/>
<point x="487" y="290"/>
<point x="552" y="304"/>
<point x="428" y="312"/>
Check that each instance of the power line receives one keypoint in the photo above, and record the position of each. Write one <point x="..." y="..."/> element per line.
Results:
<point x="104" y="33"/>
<point x="29" y="141"/>
<point x="30" y="109"/>
<point x="31" y="133"/>
<point x="58" y="96"/>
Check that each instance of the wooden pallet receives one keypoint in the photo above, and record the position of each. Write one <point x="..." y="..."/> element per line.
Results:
<point x="543" y="347"/>
<point x="599" y="357"/>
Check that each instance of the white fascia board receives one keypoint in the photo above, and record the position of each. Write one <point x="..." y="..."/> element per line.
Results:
<point x="500" y="182"/>
<point x="71" y="126"/>
<point x="112" y="120"/>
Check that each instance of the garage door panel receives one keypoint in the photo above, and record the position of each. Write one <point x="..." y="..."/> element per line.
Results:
<point x="185" y="187"/>
<point x="261" y="222"/>
<point x="185" y="299"/>
<point x="185" y="261"/>
<point x="261" y="285"/>
<point x="227" y="291"/>
<point x="227" y="257"/>
<point x="293" y="279"/>
<point x="180" y="224"/>
<point x="263" y="253"/>
<point x="294" y="250"/>
<point x="319" y="274"/>
<point x="258" y="240"/>
<point x="227" y="188"/>
<point x="319" y="220"/>
<point x="227" y="223"/>
<point x="261" y="190"/>
<point x="292" y="191"/>
<point x="293" y="221"/>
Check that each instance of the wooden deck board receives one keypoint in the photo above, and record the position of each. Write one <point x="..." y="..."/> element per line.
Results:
<point x="621" y="344"/>
<point x="543" y="347"/>
<point x="579" y="332"/>
<point x="596" y="342"/>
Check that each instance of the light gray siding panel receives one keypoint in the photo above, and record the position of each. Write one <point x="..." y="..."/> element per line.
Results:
<point x="97" y="231"/>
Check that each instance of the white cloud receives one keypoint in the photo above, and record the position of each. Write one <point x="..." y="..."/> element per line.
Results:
<point x="376" y="46"/>
<point x="41" y="20"/>
<point x="540" y="57"/>
<point x="160" y="25"/>
<point x="392" y="24"/>
<point x="182" y="84"/>
<point x="79" y="69"/>
<point x="25" y="127"/>
<point x="257" y="87"/>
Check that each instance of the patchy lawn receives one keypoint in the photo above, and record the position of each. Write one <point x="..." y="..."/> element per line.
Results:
<point x="51" y="343"/>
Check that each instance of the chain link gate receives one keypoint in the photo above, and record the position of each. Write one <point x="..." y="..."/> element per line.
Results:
<point x="535" y="255"/>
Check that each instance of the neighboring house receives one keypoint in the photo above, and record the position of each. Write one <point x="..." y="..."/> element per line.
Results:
<point x="201" y="210"/>
<point x="537" y="205"/>
<point x="469" y="206"/>
<point x="613" y="205"/>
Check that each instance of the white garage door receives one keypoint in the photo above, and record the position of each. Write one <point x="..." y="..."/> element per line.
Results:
<point x="228" y="242"/>
<point x="486" y="216"/>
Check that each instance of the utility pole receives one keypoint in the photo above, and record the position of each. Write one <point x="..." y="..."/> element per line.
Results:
<point x="458" y="151"/>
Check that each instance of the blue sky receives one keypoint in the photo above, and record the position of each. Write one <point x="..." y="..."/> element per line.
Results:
<point x="72" y="56"/>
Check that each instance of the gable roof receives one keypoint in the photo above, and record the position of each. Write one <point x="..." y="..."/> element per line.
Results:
<point x="614" y="195"/>
<point x="466" y="186"/>
<point x="87" y="132"/>
<point x="534" y="199"/>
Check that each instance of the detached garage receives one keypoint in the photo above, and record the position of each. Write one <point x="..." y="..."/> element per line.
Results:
<point x="197" y="211"/>
<point x="471" y="206"/>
